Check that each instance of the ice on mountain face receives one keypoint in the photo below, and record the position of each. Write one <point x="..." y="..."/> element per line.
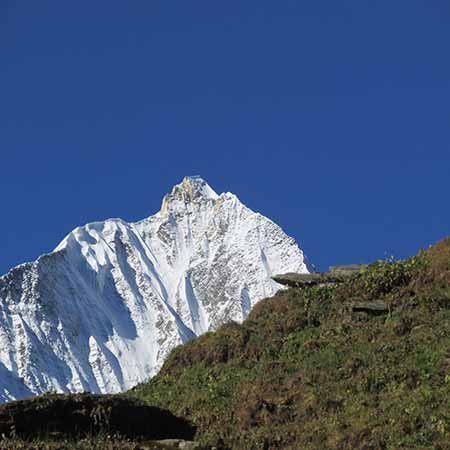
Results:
<point x="104" y="309"/>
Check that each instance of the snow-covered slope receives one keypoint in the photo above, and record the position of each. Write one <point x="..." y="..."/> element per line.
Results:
<point x="104" y="309"/>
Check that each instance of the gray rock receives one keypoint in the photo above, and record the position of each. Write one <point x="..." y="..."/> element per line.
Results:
<point x="337" y="274"/>
<point x="180" y="444"/>
<point x="349" y="269"/>
<point x="300" y="280"/>
<point x="376" y="306"/>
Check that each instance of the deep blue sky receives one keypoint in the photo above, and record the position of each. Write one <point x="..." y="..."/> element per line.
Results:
<point x="330" y="117"/>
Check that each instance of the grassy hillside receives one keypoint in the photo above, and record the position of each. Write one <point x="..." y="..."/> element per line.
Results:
<point x="307" y="372"/>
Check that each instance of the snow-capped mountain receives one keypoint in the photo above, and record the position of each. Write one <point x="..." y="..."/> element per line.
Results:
<point x="104" y="309"/>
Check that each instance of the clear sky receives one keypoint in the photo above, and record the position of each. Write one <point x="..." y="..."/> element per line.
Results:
<point x="330" y="117"/>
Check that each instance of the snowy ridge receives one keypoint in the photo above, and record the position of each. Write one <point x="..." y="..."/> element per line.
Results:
<point x="104" y="309"/>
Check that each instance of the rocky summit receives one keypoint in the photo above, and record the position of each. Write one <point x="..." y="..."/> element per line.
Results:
<point x="103" y="310"/>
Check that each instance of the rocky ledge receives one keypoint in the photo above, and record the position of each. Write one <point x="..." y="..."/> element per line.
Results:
<point x="336" y="274"/>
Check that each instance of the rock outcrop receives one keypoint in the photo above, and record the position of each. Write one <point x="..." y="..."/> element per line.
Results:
<point x="336" y="274"/>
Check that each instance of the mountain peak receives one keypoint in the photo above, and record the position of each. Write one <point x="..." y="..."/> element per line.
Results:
<point x="195" y="186"/>
<point x="191" y="189"/>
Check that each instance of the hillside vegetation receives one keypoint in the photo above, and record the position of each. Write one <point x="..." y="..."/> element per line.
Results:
<point x="305" y="371"/>
<point x="88" y="422"/>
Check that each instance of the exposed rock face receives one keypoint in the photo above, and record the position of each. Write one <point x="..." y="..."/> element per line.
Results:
<point x="348" y="269"/>
<point x="298" y="280"/>
<point x="372" y="307"/>
<point x="337" y="274"/>
<point x="102" y="311"/>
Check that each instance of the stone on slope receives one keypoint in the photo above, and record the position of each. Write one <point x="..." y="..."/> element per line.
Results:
<point x="347" y="269"/>
<point x="374" y="307"/>
<point x="336" y="274"/>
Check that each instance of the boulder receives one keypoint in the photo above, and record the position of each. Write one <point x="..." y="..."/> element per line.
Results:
<point x="348" y="269"/>
<point x="300" y="280"/>
<point x="374" y="307"/>
<point x="180" y="444"/>
<point x="337" y="274"/>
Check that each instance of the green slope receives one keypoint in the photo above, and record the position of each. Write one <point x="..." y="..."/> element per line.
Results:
<point x="305" y="371"/>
